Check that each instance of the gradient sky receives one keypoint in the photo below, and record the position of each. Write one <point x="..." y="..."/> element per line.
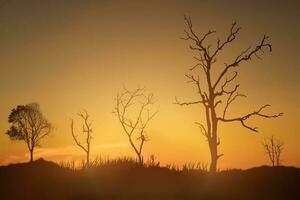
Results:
<point x="73" y="55"/>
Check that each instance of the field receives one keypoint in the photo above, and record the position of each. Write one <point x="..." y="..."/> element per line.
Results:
<point x="124" y="179"/>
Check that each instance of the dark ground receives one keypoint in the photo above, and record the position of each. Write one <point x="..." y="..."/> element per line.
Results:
<point x="43" y="180"/>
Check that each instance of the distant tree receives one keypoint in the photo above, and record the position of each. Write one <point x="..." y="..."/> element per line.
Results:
<point x="28" y="124"/>
<point x="214" y="90"/>
<point x="273" y="148"/>
<point x="133" y="109"/>
<point x="87" y="132"/>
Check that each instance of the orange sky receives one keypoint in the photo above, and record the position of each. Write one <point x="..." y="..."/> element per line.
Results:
<point x="73" y="55"/>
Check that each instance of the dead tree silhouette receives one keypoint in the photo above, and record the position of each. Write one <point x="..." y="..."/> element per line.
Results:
<point x="139" y="104"/>
<point x="87" y="130"/>
<point x="28" y="124"/>
<point x="216" y="86"/>
<point x="273" y="148"/>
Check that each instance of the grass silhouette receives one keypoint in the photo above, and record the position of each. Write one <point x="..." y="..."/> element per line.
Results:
<point x="124" y="178"/>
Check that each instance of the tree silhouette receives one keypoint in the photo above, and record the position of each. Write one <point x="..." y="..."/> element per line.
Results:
<point x="130" y="104"/>
<point x="87" y="131"/>
<point x="215" y="88"/>
<point x="273" y="148"/>
<point x="28" y="124"/>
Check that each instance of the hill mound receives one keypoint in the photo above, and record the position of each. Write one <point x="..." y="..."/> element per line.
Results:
<point x="46" y="180"/>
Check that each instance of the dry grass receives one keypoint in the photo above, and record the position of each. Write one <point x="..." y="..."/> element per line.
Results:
<point x="128" y="162"/>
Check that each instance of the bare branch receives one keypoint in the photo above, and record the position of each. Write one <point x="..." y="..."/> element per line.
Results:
<point x="254" y="113"/>
<point x="201" y="62"/>
<point x="186" y="103"/>
<point x="245" y="56"/>
<point x="203" y="130"/>
<point x="232" y="35"/>
<point x="230" y="99"/>
<point x="75" y="137"/>
<point x="227" y="81"/>
<point x="190" y="35"/>
<point x="220" y="155"/>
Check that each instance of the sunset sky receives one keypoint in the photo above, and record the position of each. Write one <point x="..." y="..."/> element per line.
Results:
<point x="74" y="55"/>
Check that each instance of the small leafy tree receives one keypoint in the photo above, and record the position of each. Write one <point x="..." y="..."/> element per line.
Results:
<point x="29" y="125"/>
<point x="133" y="109"/>
<point x="87" y="130"/>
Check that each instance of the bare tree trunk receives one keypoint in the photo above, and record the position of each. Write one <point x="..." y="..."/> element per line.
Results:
<point x="137" y="152"/>
<point x="88" y="158"/>
<point x="31" y="155"/>
<point x="214" y="141"/>
<point x="214" y="157"/>
<point x="140" y="158"/>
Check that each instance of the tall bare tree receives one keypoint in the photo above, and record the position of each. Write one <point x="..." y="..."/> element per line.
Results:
<point x="217" y="87"/>
<point x="133" y="109"/>
<point x="86" y="132"/>
<point x="273" y="148"/>
<point x="28" y="124"/>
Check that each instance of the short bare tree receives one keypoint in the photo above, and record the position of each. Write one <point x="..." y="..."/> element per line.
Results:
<point x="215" y="90"/>
<point x="133" y="109"/>
<point x="273" y="148"/>
<point x="86" y="133"/>
<point x="28" y="124"/>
